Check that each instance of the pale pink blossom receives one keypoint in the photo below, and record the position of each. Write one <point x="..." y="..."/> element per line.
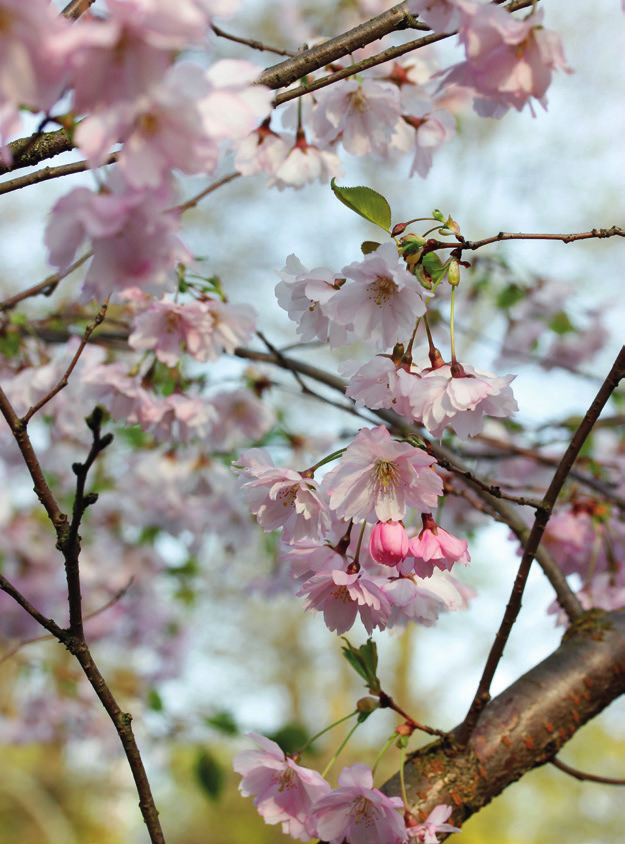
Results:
<point x="232" y="325"/>
<point x="388" y="543"/>
<point x="509" y="61"/>
<point x="305" y="164"/>
<point x="378" y="383"/>
<point x="435" y="547"/>
<point x="363" y="114"/>
<point x="378" y="478"/>
<point x="420" y="601"/>
<point x="134" y="238"/>
<point x="459" y="396"/>
<point x="167" y="327"/>
<point x="384" y="301"/>
<point x="357" y="812"/>
<point x="281" y="497"/>
<point x="121" y="394"/>
<point x="285" y="792"/>
<point x="262" y="150"/>
<point x="180" y="418"/>
<point x="241" y="417"/>
<point x="303" y="294"/>
<point x="430" y="131"/>
<point x="305" y="559"/>
<point x="426" y="832"/>
<point x="341" y="597"/>
<point x="442" y="15"/>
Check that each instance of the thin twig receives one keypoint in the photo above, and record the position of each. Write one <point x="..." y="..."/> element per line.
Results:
<point x="47" y="637"/>
<point x="47" y="173"/>
<point x="250" y="42"/>
<point x="45" y="287"/>
<point x="580" y="775"/>
<point x="76" y="8"/>
<point x="614" y="231"/>
<point x="63" y="381"/>
<point x="33" y="612"/>
<point x="191" y="203"/>
<point x="493" y="489"/>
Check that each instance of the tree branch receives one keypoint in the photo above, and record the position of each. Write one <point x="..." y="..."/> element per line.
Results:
<point x="580" y="775"/>
<point x="28" y="152"/>
<point x="47" y="173"/>
<point x="526" y="725"/>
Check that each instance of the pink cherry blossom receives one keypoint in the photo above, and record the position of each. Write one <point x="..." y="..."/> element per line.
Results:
<point x="179" y="418"/>
<point x="341" y="597"/>
<point x="425" y="833"/>
<point x="420" y="601"/>
<point x="357" y="812"/>
<point x="281" y="497"/>
<point x="304" y="164"/>
<point x="383" y="302"/>
<point x="378" y="383"/>
<point x="378" y="479"/>
<point x="134" y="238"/>
<point x="441" y="398"/>
<point x="388" y="543"/>
<point x="435" y="547"/>
<point x="509" y="61"/>
<point x="362" y="113"/>
<point x="262" y="150"/>
<point x="241" y="417"/>
<point x="285" y="791"/>
<point x="303" y="294"/>
<point x="167" y="326"/>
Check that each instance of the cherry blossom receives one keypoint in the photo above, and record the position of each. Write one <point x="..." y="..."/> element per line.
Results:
<point x="281" y="497"/>
<point x="378" y="479"/>
<point x="134" y="238"/>
<point x="262" y="150"/>
<point x="285" y="792"/>
<point x="441" y="15"/>
<point x="303" y="294"/>
<point x="304" y="164"/>
<point x="357" y="812"/>
<point x="458" y="396"/>
<point x="435" y="547"/>
<point x="341" y="597"/>
<point x="425" y="833"/>
<point x="167" y="326"/>
<point x="378" y="383"/>
<point x="388" y="543"/>
<point x="363" y="114"/>
<point x="509" y="61"/>
<point x="242" y="418"/>
<point x="384" y="301"/>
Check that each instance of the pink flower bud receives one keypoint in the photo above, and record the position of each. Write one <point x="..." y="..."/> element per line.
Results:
<point x="388" y="543"/>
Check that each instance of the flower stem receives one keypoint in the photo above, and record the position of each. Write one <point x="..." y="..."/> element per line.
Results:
<point x="334" y="758"/>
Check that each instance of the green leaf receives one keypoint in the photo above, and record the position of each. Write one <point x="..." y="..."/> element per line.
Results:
<point x="367" y="203"/>
<point x="291" y="737"/>
<point x="364" y="661"/>
<point x="369" y="246"/>
<point x="510" y="295"/>
<point x="210" y="774"/>
<point x="224" y="722"/>
<point x="561" y="324"/>
<point x="155" y="701"/>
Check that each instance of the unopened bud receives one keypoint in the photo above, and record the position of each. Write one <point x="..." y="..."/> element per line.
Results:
<point x="453" y="273"/>
<point x="367" y="704"/>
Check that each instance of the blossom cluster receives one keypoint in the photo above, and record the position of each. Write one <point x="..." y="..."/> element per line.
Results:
<point x="387" y="581"/>
<point x="307" y="807"/>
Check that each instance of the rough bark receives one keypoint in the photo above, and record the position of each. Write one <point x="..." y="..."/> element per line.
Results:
<point x="526" y="725"/>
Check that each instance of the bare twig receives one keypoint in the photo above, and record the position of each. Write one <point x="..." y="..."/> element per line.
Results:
<point x="250" y="42"/>
<point x="50" y="636"/>
<point x="63" y="381"/>
<point x="580" y="775"/>
<point x="47" y="173"/>
<point x="45" y="287"/>
<point x="593" y="234"/>
<point x="33" y="612"/>
<point x="76" y="8"/>
<point x="191" y="203"/>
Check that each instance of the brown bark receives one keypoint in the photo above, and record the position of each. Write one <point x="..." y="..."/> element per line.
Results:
<point x="526" y="725"/>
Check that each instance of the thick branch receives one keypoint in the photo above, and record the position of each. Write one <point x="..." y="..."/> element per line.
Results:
<point x="526" y="725"/>
<point x="27" y="153"/>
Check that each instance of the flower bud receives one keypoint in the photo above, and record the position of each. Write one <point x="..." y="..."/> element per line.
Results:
<point x="388" y="543"/>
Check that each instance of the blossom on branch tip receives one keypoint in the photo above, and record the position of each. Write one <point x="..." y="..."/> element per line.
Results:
<point x="435" y="547"/>
<point x="341" y="597"/>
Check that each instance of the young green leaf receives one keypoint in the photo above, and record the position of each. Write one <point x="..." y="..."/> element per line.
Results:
<point x="367" y="203"/>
